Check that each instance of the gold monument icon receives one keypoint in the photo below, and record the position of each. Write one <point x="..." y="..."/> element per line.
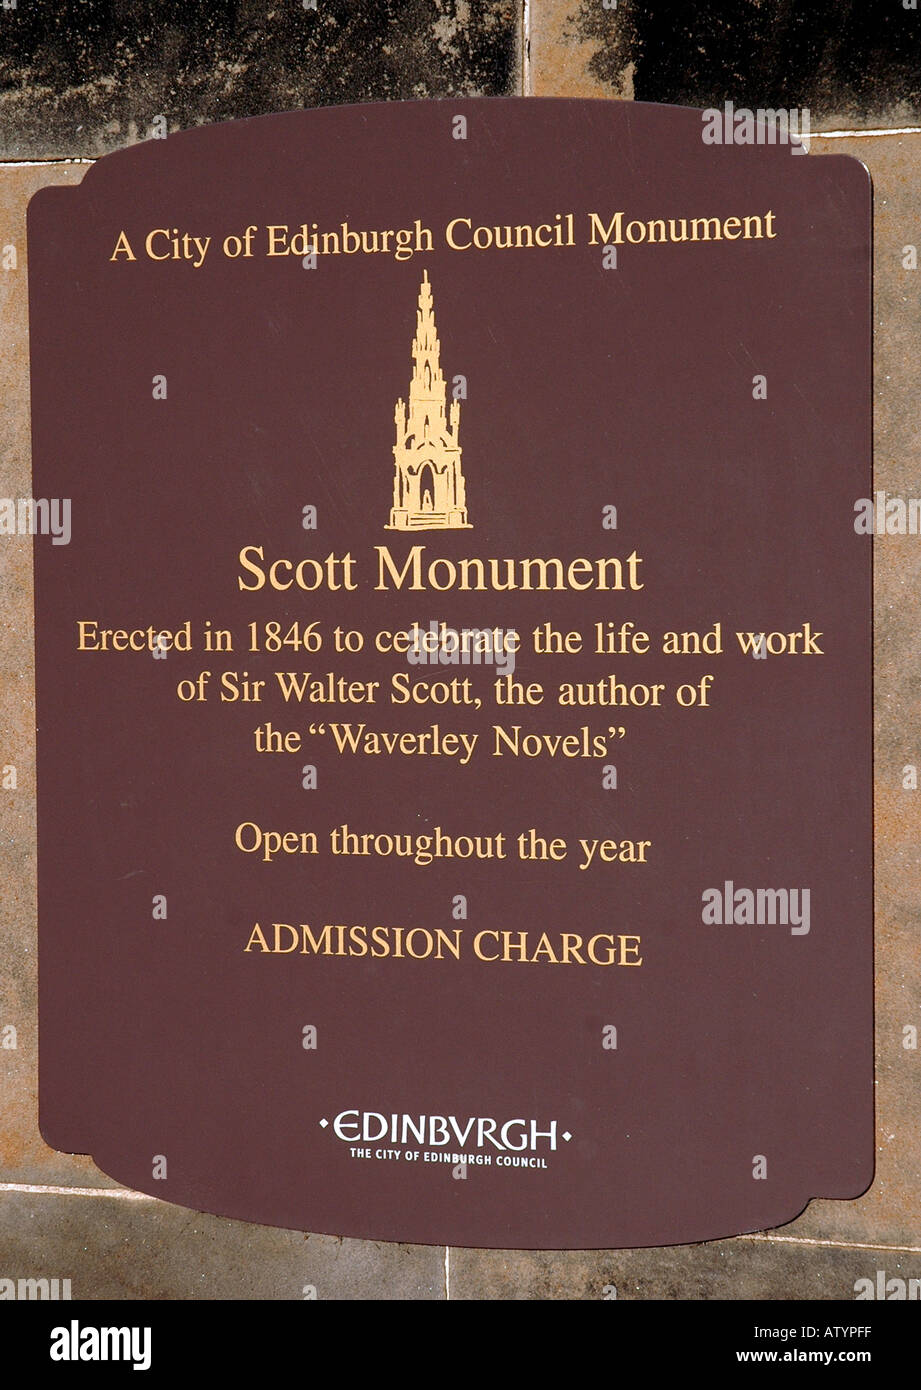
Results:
<point x="428" y="483"/>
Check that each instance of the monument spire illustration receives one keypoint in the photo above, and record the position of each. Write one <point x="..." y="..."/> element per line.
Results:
<point x="428" y="484"/>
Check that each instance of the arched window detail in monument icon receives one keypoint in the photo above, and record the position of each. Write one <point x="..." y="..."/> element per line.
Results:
<point x="427" y="487"/>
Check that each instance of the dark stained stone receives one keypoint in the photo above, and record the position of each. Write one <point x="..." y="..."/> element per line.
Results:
<point x="79" y="79"/>
<point x="858" y="60"/>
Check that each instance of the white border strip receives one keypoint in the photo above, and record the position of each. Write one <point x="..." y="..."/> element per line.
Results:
<point x="832" y="1244"/>
<point x="39" y="1190"/>
<point x="862" y="134"/>
<point x="40" y="163"/>
<point x="526" y="84"/>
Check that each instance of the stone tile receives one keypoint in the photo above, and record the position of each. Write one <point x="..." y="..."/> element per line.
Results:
<point x="125" y="1248"/>
<point x="563" y="55"/>
<point x="24" y="1157"/>
<point x="865" y="72"/>
<point x="84" y="79"/>
<point x="730" y="1269"/>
